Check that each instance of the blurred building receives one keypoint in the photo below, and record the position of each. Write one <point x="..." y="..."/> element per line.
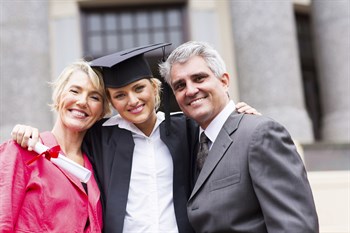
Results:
<point x="289" y="59"/>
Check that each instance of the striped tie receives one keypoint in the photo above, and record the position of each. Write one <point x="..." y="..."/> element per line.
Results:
<point x="202" y="151"/>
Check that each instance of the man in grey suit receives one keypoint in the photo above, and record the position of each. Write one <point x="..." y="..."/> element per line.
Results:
<point x="253" y="179"/>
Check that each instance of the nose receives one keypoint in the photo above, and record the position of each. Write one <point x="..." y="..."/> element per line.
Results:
<point x="82" y="100"/>
<point x="133" y="100"/>
<point x="191" y="89"/>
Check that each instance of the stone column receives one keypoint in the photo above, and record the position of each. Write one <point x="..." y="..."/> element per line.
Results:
<point x="331" y="35"/>
<point x="24" y="66"/>
<point x="268" y="68"/>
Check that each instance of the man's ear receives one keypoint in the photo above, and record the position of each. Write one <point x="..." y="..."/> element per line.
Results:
<point x="225" y="80"/>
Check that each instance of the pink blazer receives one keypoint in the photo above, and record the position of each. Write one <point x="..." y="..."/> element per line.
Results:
<point x="41" y="197"/>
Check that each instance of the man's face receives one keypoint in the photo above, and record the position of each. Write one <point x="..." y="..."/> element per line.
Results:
<point x="198" y="92"/>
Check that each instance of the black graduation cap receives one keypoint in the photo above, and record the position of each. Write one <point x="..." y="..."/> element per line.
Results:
<point x="127" y="66"/>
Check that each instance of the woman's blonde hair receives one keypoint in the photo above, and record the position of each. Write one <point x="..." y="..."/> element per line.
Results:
<point x="95" y="77"/>
<point x="158" y="86"/>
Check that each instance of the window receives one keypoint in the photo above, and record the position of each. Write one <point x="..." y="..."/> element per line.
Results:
<point x="109" y="30"/>
<point x="309" y="75"/>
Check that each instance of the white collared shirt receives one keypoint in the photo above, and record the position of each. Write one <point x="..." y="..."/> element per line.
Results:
<point x="150" y="206"/>
<point x="213" y="129"/>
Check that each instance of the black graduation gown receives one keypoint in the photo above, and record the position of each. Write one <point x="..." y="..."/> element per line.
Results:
<point x="110" y="150"/>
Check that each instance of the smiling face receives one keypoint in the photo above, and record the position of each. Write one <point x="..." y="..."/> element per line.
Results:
<point x="80" y="104"/>
<point x="198" y="92"/>
<point x="136" y="103"/>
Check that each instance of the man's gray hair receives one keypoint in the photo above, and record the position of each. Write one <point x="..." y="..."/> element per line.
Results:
<point x="189" y="49"/>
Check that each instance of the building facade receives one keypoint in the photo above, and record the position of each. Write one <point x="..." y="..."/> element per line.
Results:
<point x="289" y="59"/>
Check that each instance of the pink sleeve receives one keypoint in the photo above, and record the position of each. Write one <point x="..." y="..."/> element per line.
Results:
<point x="14" y="176"/>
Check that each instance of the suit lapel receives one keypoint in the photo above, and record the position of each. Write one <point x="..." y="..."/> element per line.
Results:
<point x="49" y="140"/>
<point x="218" y="150"/>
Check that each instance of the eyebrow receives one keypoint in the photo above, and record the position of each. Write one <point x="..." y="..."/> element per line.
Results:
<point x="199" y="74"/>
<point x="90" y="92"/>
<point x="75" y="86"/>
<point x="195" y="75"/>
<point x="96" y="92"/>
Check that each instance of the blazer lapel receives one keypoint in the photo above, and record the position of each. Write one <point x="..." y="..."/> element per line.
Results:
<point x="49" y="140"/>
<point x="217" y="151"/>
<point x="93" y="189"/>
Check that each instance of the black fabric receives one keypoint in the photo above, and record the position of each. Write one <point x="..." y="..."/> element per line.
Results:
<point x="111" y="150"/>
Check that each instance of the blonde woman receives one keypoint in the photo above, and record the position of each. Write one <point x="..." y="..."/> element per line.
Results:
<point x="40" y="197"/>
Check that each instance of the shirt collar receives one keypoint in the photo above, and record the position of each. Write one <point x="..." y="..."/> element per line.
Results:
<point x="213" y="129"/>
<point x="124" y="124"/>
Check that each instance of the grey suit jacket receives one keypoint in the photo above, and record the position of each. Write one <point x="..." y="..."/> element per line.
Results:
<point x="252" y="181"/>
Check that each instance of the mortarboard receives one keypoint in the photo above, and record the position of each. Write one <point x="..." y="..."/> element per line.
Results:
<point x="127" y="66"/>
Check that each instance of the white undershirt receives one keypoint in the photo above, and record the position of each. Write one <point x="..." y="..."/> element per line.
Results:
<point x="150" y="206"/>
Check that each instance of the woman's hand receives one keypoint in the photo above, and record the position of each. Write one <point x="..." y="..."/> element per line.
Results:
<point x="245" y="108"/>
<point x="22" y="133"/>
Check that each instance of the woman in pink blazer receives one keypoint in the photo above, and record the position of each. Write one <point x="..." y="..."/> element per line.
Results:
<point x="40" y="197"/>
